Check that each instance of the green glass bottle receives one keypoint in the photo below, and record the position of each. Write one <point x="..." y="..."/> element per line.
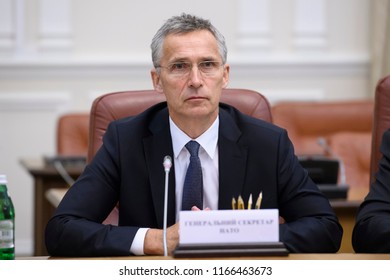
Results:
<point x="7" y="222"/>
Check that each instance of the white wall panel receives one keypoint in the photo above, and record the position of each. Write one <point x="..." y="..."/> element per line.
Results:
<point x="55" y="27"/>
<point x="310" y="24"/>
<point x="7" y="24"/>
<point x="254" y="28"/>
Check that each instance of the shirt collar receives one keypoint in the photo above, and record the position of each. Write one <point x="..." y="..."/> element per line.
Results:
<point x="208" y="140"/>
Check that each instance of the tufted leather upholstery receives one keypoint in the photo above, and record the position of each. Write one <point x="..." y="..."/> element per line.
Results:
<point x="72" y="134"/>
<point x="381" y="122"/>
<point x="345" y="125"/>
<point x="116" y="105"/>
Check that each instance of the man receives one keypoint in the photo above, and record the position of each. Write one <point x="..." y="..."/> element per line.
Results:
<point x="372" y="230"/>
<point x="239" y="156"/>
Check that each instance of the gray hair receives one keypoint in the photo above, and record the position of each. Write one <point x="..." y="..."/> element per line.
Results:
<point x="184" y="23"/>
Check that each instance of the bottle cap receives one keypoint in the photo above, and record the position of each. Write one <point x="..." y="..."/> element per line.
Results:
<point x="3" y="179"/>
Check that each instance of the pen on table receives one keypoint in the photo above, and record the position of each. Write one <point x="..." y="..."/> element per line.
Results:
<point x="250" y="202"/>
<point x="233" y="203"/>
<point x="240" y="203"/>
<point x="258" y="202"/>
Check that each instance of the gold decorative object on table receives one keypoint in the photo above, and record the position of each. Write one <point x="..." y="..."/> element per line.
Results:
<point x="240" y="205"/>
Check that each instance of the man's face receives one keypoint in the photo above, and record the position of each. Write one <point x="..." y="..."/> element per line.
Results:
<point x="196" y="94"/>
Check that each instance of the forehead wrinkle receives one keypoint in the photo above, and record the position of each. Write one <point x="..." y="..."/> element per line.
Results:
<point x="184" y="47"/>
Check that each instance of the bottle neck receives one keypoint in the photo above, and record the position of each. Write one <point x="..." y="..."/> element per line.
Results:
<point x="3" y="191"/>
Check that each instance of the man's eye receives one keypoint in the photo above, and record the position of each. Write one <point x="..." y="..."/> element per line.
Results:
<point x="208" y="64"/>
<point x="179" y="66"/>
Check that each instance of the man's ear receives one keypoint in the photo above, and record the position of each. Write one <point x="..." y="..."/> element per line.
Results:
<point x="226" y="76"/>
<point x="156" y="80"/>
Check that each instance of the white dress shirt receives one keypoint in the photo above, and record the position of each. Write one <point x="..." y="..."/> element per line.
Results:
<point x="208" y="154"/>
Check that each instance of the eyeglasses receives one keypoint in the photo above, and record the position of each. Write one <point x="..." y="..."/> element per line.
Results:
<point x="208" y="68"/>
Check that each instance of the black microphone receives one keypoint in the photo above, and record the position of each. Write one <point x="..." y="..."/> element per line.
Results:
<point x="167" y="163"/>
<point x="323" y="143"/>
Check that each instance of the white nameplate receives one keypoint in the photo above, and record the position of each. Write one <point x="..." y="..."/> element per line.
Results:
<point x="229" y="226"/>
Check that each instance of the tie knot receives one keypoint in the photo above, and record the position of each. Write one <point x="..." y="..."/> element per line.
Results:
<point x="193" y="147"/>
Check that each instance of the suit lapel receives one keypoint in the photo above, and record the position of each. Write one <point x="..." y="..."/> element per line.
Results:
<point x="232" y="161"/>
<point x="157" y="146"/>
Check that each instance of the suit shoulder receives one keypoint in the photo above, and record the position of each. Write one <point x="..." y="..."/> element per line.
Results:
<point x="244" y="121"/>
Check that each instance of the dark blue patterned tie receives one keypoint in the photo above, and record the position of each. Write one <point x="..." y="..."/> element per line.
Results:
<point x="193" y="183"/>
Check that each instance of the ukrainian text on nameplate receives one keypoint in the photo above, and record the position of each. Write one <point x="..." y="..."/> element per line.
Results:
<point x="229" y="226"/>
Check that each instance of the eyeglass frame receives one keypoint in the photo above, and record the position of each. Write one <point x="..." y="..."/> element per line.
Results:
<point x="191" y="65"/>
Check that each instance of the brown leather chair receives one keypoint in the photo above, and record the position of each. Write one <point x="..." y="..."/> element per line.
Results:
<point x="346" y="127"/>
<point x="117" y="105"/>
<point x="381" y="122"/>
<point x="72" y="134"/>
<point x="113" y="106"/>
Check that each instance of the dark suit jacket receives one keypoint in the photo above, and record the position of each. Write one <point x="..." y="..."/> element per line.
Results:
<point x="254" y="156"/>
<point x="372" y="230"/>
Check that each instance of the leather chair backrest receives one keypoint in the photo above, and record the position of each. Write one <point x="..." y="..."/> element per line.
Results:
<point x="381" y="122"/>
<point x="346" y="127"/>
<point x="116" y="105"/>
<point x="72" y="134"/>
<point x="306" y="121"/>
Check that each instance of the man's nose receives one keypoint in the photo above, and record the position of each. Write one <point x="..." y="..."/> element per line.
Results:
<point x="195" y="76"/>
